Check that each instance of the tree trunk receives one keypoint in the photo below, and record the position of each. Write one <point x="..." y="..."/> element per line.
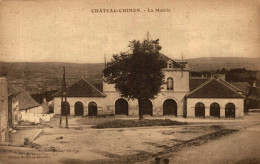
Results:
<point x="140" y="104"/>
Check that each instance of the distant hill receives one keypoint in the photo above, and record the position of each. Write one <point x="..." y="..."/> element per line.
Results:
<point x="36" y="77"/>
<point x="213" y="63"/>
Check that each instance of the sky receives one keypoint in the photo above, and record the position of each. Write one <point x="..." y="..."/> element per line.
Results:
<point x="67" y="31"/>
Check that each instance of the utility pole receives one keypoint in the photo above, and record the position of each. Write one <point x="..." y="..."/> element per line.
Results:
<point x="65" y="95"/>
<point x="63" y="103"/>
<point x="61" y="106"/>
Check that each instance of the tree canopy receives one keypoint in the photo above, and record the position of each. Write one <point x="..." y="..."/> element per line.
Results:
<point x="137" y="73"/>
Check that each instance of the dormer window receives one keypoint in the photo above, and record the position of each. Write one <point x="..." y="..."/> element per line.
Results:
<point x="170" y="64"/>
<point x="169" y="83"/>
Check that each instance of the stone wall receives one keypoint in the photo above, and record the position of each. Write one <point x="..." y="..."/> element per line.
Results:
<point x="4" y="135"/>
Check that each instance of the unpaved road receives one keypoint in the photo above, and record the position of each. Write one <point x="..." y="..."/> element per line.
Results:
<point x="206" y="142"/>
<point x="242" y="147"/>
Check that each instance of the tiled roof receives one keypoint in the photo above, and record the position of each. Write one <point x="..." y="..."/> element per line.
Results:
<point x="215" y="88"/>
<point x="166" y="58"/>
<point x="81" y="88"/>
<point x="12" y="90"/>
<point x="230" y="85"/>
<point x="195" y="82"/>
<point x="254" y="93"/>
<point x="25" y="101"/>
<point x="243" y="86"/>
<point x="96" y="83"/>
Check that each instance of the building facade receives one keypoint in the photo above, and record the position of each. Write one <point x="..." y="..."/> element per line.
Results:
<point x="176" y="97"/>
<point x="4" y="129"/>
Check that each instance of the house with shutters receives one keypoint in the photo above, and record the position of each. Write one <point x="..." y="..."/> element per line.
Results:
<point x="181" y="96"/>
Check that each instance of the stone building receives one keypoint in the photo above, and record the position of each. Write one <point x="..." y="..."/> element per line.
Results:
<point x="216" y="98"/>
<point x="4" y="135"/>
<point x="13" y="105"/>
<point x="177" y="98"/>
<point x="82" y="99"/>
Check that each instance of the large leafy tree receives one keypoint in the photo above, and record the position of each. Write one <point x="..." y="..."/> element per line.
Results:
<point x="137" y="73"/>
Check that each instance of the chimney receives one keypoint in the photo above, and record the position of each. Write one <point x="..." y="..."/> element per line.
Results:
<point x="84" y="76"/>
<point x="254" y="84"/>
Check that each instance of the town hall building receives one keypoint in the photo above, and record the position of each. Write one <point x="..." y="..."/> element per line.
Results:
<point x="181" y="96"/>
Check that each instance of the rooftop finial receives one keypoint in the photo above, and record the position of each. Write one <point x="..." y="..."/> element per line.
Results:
<point x="148" y="36"/>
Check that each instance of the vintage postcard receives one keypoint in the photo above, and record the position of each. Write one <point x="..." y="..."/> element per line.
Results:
<point x="120" y="81"/>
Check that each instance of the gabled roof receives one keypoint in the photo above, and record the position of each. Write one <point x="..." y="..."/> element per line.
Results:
<point x="215" y="88"/>
<point x="25" y="101"/>
<point x="166" y="59"/>
<point x="243" y="86"/>
<point x="230" y="85"/>
<point x="96" y="83"/>
<point x="195" y="82"/>
<point x="12" y="90"/>
<point x="81" y="88"/>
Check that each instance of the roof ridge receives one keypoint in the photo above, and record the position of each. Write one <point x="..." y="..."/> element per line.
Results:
<point x="67" y="87"/>
<point x="11" y="85"/>
<point x="26" y="101"/>
<point x="78" y="81"/>
<point x="93" y="87"/>
<point x="230" y="87"/>
<point x="168" y="58"/>
<point x="222" y="81"/>
<point x="226" y="87"/>
<point x="200" y="86"/>
<point x="31" y="97"/>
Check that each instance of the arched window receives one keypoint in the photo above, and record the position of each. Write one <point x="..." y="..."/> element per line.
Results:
<point x="79" y="108"/>
<point x="215" y="110"/>
<point x="199" y="110"/>
<point x="169" y="83"/>
<point x="230" y="110"/>
<point x="92" y="109"/>
<point x="121" y="107"/>
<point x="170" y="107"/>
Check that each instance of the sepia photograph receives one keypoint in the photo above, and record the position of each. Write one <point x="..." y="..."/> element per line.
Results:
<point x="128" y="81"/>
